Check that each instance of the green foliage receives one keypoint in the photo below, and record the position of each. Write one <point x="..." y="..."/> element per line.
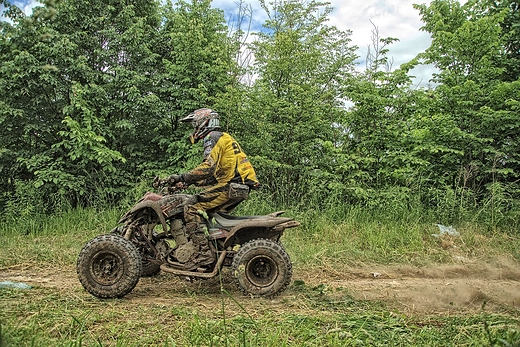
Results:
<point x="197" y="55"/>
<point x="91" y="94"/>
<point x="56" y="95"/>
<point x="508" y="11"/>
<point x="197" y="61"/>
<point x="290" y="116"/>
<point x="90" y="98"/>
<point x="382" y="141"/>
<point x="470" y="98"/>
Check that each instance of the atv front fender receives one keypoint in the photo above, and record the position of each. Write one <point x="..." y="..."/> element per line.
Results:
<point x="148" y="204"/>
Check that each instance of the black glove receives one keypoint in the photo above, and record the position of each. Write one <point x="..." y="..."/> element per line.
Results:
<point x="174" y="179"/>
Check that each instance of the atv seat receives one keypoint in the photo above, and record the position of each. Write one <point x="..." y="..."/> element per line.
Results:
<point x="227" y="220"/>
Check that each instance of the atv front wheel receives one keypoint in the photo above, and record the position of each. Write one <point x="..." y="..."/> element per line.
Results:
<point x="109" y="266"/>
<point x="149" y="267"/>
<point x="262" y="268"/>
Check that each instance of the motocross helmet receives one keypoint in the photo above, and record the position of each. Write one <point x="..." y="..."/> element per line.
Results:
<point x="203" y="120"/>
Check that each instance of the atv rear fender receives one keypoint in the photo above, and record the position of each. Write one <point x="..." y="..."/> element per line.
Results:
<point x="268" y="228"/>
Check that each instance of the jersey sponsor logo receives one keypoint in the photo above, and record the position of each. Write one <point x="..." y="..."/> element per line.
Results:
<point x="236" y="147"/>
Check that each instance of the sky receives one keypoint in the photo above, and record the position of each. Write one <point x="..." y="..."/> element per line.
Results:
<point x="393" y="18"/>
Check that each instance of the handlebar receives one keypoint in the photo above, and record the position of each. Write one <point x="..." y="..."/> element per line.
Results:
<point x="165" y="188"/>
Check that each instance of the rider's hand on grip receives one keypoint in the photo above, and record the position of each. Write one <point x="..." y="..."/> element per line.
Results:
<point x="174" y="179"/>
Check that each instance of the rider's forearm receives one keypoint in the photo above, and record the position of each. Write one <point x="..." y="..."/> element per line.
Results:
<point x="202" y="172"/>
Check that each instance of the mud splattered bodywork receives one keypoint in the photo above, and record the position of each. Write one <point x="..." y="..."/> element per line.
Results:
<point x="155" y="231"/>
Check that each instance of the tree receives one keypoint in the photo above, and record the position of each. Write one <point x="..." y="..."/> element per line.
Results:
<point x="79" y="90"/>
<point x="92" y="92"/>
<point x="479" y="111"/>
<point x="294" y="108"/>
<point x="509" y="58"/>
<point x="381" y="149"/>
<point x="197" y="57"/>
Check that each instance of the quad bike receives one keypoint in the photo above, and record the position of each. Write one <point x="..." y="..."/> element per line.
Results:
<point x="110" y="265"/>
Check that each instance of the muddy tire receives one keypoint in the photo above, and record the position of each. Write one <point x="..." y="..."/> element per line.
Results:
<point x="109" y="266"/>
<point x="150" y="268"/>
<point x="262" y="268"/>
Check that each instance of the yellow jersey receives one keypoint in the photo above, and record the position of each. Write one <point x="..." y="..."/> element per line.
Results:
<point x="224" y="162"/>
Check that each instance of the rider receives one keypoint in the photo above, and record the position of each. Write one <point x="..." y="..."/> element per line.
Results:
<point x="224" y="163"/>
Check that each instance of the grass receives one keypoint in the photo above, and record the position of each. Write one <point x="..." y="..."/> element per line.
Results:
<point x="365" y="237"/>
<point x="360" y="237"/>
<point x="54" y="239"/>
<point x="166" y="311"/>
<point x="45" y="317"/>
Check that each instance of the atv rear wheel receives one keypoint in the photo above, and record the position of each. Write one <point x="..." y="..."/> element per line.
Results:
<point x="262" y="268"/>
<point x="109" y="266"/>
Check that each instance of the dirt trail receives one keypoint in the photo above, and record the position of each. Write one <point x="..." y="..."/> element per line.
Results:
<point x="433" y="290"/>
<point x="464" y="287"/>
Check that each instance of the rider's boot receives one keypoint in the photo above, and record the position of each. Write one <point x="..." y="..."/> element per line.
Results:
<point x="205" y="255"/>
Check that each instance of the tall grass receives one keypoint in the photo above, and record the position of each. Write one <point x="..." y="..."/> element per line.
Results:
<point x="399" y="233"/>
<point x="54" y="239"/>
<point x="332" y="235"/>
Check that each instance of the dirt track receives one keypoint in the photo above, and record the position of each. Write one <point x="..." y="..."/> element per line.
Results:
<point x="433" y="290"/>
<point x="437" y="289"/>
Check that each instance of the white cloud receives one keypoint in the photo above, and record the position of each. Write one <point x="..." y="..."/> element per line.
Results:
<point x="392" y="18"/>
